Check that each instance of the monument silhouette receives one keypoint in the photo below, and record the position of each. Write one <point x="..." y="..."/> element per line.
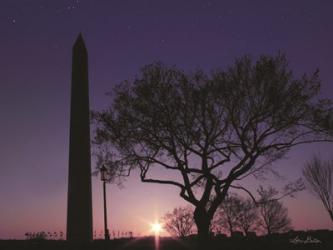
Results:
<point x="79" y="203"/>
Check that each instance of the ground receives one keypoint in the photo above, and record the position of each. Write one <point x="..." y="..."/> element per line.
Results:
<point x="296" y="241"/>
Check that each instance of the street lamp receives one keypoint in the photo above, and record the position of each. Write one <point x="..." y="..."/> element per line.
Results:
<point x="104" y="179"/>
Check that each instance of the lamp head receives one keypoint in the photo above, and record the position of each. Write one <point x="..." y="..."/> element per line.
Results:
<point x="104" y="173"/>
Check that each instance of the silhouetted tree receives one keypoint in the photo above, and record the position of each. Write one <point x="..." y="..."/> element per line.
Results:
<point x="273" y="215"/>
<point x="248" y="217"/>
<point x="211" y="130"/>
<point x="179" y="222"/>
<point x="237" y="213"/>
<point x="319" y="176"/>
<point x="228" y="214"/>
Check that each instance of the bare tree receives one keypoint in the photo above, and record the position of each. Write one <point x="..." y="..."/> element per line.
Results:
<point x="228" y="214"/>
<point x="319" y="176"/>
<point x="212" y="131"/>
<point x="248" y="217"/>
<point x="237" y="213"/>
<point x="273" y="215"/>
<point x="179" y="222"/>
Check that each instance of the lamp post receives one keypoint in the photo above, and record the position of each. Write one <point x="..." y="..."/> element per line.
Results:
<point x="104" y="178"/>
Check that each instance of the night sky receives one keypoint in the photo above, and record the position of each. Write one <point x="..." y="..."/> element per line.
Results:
<point x="36" y="38"/>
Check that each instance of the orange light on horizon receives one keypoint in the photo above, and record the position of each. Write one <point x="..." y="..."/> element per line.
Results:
<point x="156" y="228"/>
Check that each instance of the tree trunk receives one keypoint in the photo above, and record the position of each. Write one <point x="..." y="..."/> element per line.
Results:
<point x="202" y="222"/>
<point x="331" y="214"/>
<point x="269" y="230"/>
<point x="231" y="229"/>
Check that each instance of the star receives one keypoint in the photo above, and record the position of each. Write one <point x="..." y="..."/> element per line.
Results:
<point x="74" y="5"/>
<point x="70" y="7"/>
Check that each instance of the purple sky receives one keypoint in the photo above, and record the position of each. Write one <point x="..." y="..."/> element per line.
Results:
<point x="121" y="36"/>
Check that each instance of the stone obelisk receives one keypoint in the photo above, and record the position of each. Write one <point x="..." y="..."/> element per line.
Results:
<point x="79" y="203"/>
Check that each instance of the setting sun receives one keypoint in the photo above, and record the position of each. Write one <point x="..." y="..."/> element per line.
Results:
<point x="156" y="227"/>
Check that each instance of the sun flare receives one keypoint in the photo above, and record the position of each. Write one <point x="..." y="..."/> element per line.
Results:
<point x="156" y="228"/>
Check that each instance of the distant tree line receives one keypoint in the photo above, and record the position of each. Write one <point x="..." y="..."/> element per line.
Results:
<point x="45" y="235"/>
<point x="48" y="235"/>
<point x="115" y="234"/>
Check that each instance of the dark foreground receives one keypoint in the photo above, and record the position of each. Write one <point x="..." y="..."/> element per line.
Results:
<point x="278" y="242"/>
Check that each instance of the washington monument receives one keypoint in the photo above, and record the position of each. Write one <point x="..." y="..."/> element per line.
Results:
<point x="79" y="204"/>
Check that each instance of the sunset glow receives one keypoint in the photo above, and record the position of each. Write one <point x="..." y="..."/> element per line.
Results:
<point x="156" y="228"/>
